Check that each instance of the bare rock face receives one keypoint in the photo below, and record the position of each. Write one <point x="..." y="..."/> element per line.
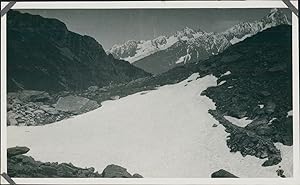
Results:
<point x="34" y="96"/>
<point x="11" y="118"/>
<point x="136" y="175"/>
<point x="222" y="174"/>
<point x="17" y="151"/>
<point x="75" y="104"/>
<point x="19" y="165"/>
<point x="115" y="171"/>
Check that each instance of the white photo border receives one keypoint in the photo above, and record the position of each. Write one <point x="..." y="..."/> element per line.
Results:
<point x="295" y="180"/>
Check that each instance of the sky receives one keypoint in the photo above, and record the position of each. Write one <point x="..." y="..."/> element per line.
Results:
<point x="116" y="26"/>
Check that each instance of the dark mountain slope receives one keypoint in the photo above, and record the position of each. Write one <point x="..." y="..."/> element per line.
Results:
<point x="161" y="61"/>
<point x="44" y="55"/>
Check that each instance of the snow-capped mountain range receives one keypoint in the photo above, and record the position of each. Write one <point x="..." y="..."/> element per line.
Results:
<point x="188" y="45"/>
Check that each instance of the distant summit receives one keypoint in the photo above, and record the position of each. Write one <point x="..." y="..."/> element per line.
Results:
<point x="187" y="45"/>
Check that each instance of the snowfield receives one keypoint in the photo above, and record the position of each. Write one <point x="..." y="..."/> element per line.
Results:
<point x="239" y="122"/>
<point x="161" y="133"/>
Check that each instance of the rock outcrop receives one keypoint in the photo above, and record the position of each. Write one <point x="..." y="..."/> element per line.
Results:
<point x="23" y="166"/>
<point x="249" y="142"/>
<point x="11" y="152"/>
<point x="115" y="171"/>
<point x="222" y="174"/>
<point x="32" y="108"/>
<point x="75" y="104"/>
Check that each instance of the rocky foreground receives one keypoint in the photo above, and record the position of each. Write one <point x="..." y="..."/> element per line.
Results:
<point x="32" y="108"/>
<point x="20" y="165"/>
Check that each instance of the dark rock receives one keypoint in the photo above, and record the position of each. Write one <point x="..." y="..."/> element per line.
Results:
<point x="272" y="161"/>
<point x="222" y="174"/>
<point x="230" y="58"/>
<point x="238" y="113"/>
<point x="25" y="166"/>
<point x="270" y="107"/>
<point x="93" y="88"/>
<point x="136" y="175"/>
<point x="265" y="93"/>
<point x="75" y="104"/>
<point x="48" y="170"/>
<point x="114" y="171"/>
<point x="248" y="142"/>
<point x="115" y="97"/>
<point x="34" y="96"/>
<point x="257" y="123"/>
<point x="278" y="67"/>
<point x="264" y="130"/>
<point x="214" y="125"/>
<point x="17" y="151"/>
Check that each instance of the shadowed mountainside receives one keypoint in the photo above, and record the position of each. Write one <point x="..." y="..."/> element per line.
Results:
<point x="44" y="55"/>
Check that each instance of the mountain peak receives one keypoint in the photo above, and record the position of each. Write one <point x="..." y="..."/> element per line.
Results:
<point x="188" y="30"/>
<point x="185" y="32"/>
<point x="277" y="16"/>
<point x="274" y="10"/>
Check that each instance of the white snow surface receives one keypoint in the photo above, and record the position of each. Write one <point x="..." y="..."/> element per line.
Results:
<point x="184" y="59"/>
<point x="237" y="40"/>
<point x="225" y="74"/>
<point x="222" y="82"/>
<point x="149" y="47"/>
<point x="290" y="113"/>
<point x="162" y="133"/>
<point x="238" y="122"/>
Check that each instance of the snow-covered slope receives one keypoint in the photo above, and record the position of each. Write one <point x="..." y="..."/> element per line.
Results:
<point x="166" y="132"/>
<point x="188" y="45"/>
<point x="133" y="51"/>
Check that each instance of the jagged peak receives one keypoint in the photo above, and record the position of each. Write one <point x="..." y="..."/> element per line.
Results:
<point x="188" y="29"/>
<point x="199" y="30"/>
<point x="128" y="42"/>
<point x="185" y="31"/>
<point x="277" y="14"/>
<point x="274" y="10"/>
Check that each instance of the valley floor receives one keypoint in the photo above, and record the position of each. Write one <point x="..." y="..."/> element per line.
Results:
<point x="166" y="132"/>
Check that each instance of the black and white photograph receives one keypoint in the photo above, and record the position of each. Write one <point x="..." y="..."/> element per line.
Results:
<point x="149" y="93"/>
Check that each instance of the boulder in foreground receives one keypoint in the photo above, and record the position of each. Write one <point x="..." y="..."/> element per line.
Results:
<point x="222" y="174"/>
<point x="75" y="104"/>
<point x="115" y="171"/>
<point x="17" y="151"/>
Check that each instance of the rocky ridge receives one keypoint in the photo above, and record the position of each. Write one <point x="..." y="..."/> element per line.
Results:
<point x="24" y="109"/>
